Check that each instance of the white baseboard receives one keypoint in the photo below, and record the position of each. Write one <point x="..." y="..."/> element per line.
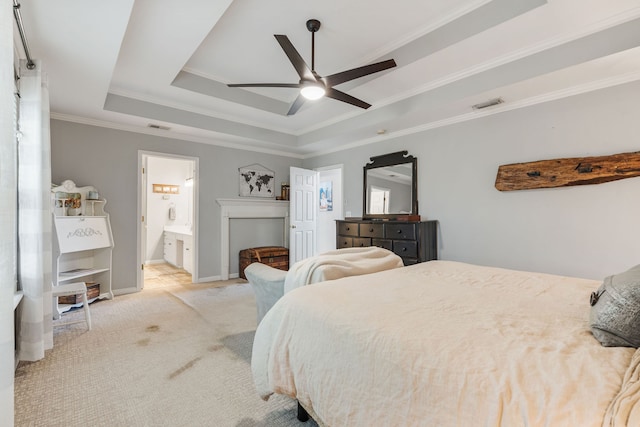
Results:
<point x="215" y="278"/>
<point x="125" y="291"/>
<point x="207" y="279"/>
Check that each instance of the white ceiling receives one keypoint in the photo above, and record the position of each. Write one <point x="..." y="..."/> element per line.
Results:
<point x="130" y="63"/>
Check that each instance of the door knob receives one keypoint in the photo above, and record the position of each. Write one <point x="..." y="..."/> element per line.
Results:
<point x="293" y="226"/>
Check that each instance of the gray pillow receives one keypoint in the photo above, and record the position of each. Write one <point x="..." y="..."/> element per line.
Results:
<point x="615" y="310"/>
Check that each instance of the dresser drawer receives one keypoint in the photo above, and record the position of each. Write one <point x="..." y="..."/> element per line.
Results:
<point x="406" y="248"/>
<point x="361" y="242"/>
<point x="400" y="231"/>
<point x="382" y="243"/>
<point x="413" y="241"/>
<point x="371" y="230"/>
<point x="344" y="242"/>
<point x="348" y="229"/>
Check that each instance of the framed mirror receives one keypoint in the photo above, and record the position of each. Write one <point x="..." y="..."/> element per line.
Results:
<point x="390" y="187"/>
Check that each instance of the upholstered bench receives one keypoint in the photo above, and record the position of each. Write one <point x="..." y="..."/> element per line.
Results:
<point x="270" y="284"/>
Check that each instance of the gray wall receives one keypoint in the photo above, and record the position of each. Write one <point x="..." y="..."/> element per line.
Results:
<point x="587" y="231"/>
<point x="108" y="158"/>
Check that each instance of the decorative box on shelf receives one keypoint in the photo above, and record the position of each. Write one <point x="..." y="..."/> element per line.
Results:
<point x="93" y="292"/>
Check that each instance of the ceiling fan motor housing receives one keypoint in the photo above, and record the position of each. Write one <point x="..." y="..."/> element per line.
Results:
<point x="313" y="25"/>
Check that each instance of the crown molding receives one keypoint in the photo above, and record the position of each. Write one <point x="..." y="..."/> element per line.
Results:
<point x="550" y="43"/>
<point x="189" y="108"/>
<point x="238" y="145"/>
<point x="508" y="106"/>
<point x="477" y="114"/>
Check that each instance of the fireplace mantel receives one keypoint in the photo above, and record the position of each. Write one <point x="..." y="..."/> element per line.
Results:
<point x="248" y="208"/>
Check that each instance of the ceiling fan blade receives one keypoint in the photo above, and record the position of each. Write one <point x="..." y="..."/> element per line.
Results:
<point x="341" y="96"/>
<point x="298" y="63"/>
<point x="345" y="76"/>
<point x="294" y="85"/>
<point x="296" y="105"/>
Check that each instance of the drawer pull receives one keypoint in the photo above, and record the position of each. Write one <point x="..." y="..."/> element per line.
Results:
<point x="371" y="230"/>
<point x="404" y="249"/>
<point x="348" y="229"/>
<point x="399" y="231"/>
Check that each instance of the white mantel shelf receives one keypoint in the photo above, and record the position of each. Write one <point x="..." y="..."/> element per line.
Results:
<point x="248" y="208"/>
<point x="252" y="202"/>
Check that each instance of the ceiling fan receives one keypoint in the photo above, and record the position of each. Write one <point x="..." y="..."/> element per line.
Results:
<point x="313" y="86"/>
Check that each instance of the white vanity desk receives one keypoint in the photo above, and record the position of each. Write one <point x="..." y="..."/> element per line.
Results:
<point x="178" y="246"/>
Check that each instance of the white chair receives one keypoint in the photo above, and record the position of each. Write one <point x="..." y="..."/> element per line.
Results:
<point x="268" y="283"/>
<point x="78" y="288"/>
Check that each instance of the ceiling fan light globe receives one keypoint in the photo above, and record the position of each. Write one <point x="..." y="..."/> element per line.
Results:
<point x="312" y="92"/>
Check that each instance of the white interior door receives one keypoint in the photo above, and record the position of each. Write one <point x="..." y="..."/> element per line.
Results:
<point x="142" y="217"/>
<point x="303" y="195"/>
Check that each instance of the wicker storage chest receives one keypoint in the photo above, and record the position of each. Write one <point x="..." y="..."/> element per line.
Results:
<point x="274" y="256"/>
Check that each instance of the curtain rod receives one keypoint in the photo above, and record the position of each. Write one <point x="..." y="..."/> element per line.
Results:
<point x="16" y="14"/>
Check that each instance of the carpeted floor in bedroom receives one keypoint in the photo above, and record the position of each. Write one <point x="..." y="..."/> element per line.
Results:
<point x="175" y="354"/>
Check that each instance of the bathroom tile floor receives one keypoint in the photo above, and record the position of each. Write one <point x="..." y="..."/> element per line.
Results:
<point x="162" y="275"/>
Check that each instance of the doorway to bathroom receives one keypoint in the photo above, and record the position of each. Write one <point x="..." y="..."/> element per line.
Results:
<point x="167" y="230"/>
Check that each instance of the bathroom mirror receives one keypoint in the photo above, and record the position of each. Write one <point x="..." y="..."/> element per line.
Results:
<point x="390" y="186"/>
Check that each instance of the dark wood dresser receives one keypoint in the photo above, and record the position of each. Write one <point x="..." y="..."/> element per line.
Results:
<point x="414" y="241"/>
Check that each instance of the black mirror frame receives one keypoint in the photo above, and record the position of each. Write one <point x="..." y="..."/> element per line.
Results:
<point x="392" y="159"/>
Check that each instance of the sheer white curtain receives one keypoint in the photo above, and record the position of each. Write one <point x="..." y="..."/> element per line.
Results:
<point x="7" y="214"/>
<point x="34" y="216"/>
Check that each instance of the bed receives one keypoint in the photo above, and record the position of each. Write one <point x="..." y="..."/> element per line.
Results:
<point x="446" y="344"/>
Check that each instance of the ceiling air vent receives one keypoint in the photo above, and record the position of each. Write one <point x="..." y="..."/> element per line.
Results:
<point x="489" y="103"/>
<point x="155" y="126"/>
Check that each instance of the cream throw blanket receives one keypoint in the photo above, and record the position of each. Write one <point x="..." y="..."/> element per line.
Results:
<point x="624" y="410"/>
<point x="340" y="263"/>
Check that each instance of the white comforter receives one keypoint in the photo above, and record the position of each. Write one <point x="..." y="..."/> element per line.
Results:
<point x="445" y="344"/>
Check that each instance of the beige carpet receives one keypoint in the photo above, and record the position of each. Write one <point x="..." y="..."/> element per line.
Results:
<point x="172" y="355"/>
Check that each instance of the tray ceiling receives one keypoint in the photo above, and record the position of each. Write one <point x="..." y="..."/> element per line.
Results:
<point x="127" y="64"/>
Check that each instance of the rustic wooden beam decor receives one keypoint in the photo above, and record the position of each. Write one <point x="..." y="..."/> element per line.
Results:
<point x="567" y="172"/>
